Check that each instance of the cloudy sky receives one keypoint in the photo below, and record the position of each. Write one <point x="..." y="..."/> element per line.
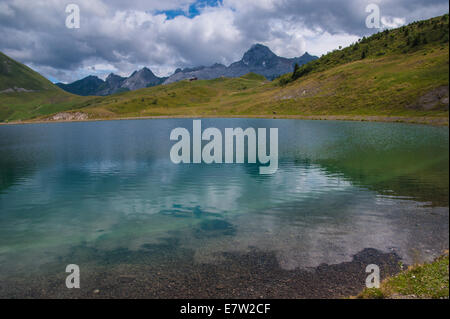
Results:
<point x="121" y="36"/>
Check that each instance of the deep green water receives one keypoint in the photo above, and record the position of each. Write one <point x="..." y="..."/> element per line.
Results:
<point x="110" y="187"/>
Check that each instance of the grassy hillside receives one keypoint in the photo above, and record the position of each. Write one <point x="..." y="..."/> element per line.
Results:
<point x="407" y="39"/>
<point x="14" y="74"/>
<point x="204" y="97"/>
<point x="25" y="94"/>
<point x="35" y="105"/>
<point x="396" y="73"/>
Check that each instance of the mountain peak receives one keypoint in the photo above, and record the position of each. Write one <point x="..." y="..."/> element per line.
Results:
<point x="258" y="55"/>
<point x="91" y="77"/>
<point x="144" y="70"/>
<point x="259" y="46"/>
<point x="112" y="77"/>
<point x="141" y="79"/>
<point x="144" y="73"/>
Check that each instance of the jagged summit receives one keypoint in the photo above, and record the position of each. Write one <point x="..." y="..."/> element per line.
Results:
<point x="141" y="79"/>
<point x="258" y="55"/>
<point x="92" y="85"/>
<point x="112" y="77"/>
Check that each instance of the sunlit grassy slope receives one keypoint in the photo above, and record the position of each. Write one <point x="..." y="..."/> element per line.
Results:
<point x="403" y="72"/>
<point x="403" y="40"/>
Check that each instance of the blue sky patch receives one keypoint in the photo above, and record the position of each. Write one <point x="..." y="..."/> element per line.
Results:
<point x="193" y="10"/>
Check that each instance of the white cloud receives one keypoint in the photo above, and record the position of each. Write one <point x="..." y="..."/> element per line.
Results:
<point x="392" y="22"/>
<point x="325" y="42"/>
<point x="125" y="35"/>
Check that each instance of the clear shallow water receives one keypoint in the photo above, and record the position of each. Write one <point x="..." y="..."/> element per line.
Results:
<point x="341" y="187"/>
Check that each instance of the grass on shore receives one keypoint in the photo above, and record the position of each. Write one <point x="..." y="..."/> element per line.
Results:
<point x="420" y="281"/>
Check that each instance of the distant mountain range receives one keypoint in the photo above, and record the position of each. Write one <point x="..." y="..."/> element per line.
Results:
<point x="259" y="59"/>
<point x="92" y="85"/>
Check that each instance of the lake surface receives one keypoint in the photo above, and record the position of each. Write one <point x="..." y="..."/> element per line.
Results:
<point x="105" y="196"/>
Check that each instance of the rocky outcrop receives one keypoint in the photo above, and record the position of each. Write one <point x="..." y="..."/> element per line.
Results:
<point x="17" y="90"/>
<point x="69" y="116"/>
<point x="434" y="99"/>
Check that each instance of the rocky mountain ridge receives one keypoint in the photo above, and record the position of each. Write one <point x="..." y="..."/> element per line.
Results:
<point x="258" y="59"/>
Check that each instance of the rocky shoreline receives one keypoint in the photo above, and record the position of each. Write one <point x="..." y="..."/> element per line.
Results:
<point x="254" y="274"/>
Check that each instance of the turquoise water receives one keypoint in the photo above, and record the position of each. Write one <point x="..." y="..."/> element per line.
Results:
<point x="106" y="186"/>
